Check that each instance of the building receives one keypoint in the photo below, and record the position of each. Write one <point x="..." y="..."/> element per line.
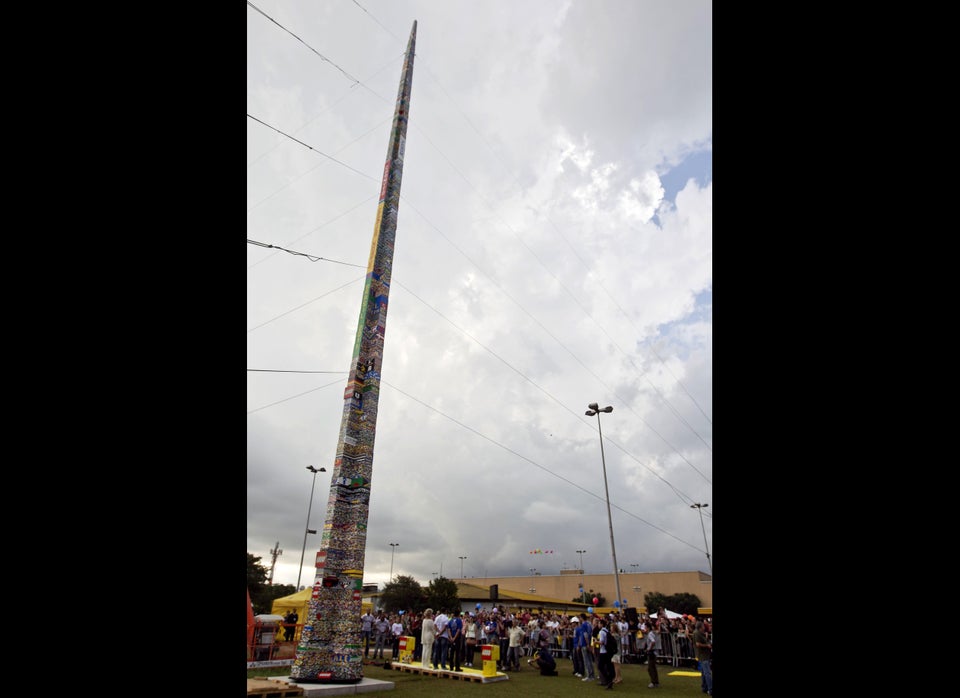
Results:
<point x="556" y="592"/>
<point x="633" y="585"/>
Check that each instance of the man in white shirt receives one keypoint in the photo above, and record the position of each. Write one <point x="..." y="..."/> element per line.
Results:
<point x="652" y="640"/>
<point x="396" y="630"/>
<point x="366" y="630"/>
<point x="443" y="640"/>
<point x="381" y="627"/>
<point x="624" y="628"/>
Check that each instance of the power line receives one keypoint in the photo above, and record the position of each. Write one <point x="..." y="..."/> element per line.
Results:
<point x="348" y="75"/>
<point x="305" y="145"/>
<point x="301" y="254"/>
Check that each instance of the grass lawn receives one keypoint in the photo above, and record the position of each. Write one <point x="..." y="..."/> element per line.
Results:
<point x="527" y="683"/>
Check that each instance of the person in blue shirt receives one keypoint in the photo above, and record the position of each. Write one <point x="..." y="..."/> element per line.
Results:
<point x="456" y="640"/>
<point x="582" y="639"/>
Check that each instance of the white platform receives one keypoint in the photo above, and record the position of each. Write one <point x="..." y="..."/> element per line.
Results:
<point x="365" y="685"/>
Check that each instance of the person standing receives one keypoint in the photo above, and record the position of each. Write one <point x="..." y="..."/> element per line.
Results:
<point x="584" y="636"/>
<point x="502" y="621"/>
<point x="704" y="649"/>
<point x="470" y="634"/>
<point x="514" y="650"/>
<point x="618" y="656"/>
<point x="396" y="632"/>
<point x="623" y="630"/>
<point x="443" y="640"/>
<point x="290" y="624"/>
<point x="491" y="634"/>
<point x="428" y="635"/>
<point x="456" y="640"/>
<point x="366" y="631"/>
<point x="575" y="650"/>
<point x="651" y="641"/>
<point x="382" y="628"/>
<point x="414" y="621"/>
<point x="604" y="665"/>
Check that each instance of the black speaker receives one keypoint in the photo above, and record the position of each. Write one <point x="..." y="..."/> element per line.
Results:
<point x="494" y="592"/>
<point x="633" y="620"/>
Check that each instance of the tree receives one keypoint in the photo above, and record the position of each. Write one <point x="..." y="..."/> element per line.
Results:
<point x="442" y="594"/>
<point x="589" y="596"/>
<point x="262" y="594"/>
<point x="256" y="574"/>
<point x="684" y="602"/>
<point x="654" y="601"/>
<point x="403" y="594"/>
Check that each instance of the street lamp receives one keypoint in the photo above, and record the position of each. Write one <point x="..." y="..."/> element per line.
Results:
<point x="308" y="529"/>
<point x="393" y="549"/>
<point x="462" y="558"/>
<point x="593" y="409"/>
<point x="582" y="592"/>
<point x="699" y="507"/>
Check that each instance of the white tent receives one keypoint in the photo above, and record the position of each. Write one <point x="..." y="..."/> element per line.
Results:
<point x="670" y="615"/>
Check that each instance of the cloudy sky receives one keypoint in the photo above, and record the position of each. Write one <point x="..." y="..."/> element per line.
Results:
<point x="554" y="248"/>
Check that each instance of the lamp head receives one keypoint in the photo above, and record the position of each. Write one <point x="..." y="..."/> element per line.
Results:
<point x="593" y="406"/>
<point x="608" y="408"/>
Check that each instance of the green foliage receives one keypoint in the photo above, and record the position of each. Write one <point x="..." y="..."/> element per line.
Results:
<point x="587" y="597"/>
<point x="403" y="594"/>
<point x="256" y="574"/>
<point x="654" y="601"/>
<point x="442" y="595"/>
<point x="683" y="602"/>
<point x="261" y="593"/>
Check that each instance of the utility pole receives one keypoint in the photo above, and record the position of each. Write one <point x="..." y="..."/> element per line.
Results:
<point x="274" y="554"/>
<point x="329" y="648"/>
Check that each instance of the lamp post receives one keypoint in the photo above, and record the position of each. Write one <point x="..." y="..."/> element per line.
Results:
<point x="307" y="529"/>
<point x="699" y="507"/>
<point x="393" y="549"/>
<point x="582" y="592"/>
<point x="593" y="409"/>
<point x="462" y="558"/>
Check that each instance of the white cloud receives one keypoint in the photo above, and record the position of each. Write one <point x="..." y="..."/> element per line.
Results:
<point x="531" y="277"/>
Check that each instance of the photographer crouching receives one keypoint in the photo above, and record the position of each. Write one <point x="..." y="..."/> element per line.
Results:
<point x="543" y="659"/>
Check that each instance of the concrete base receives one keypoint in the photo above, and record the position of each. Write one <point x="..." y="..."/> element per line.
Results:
<point x="315" y="690"/>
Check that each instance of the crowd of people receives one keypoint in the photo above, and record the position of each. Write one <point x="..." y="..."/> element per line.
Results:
<point x="597" y="646"/>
